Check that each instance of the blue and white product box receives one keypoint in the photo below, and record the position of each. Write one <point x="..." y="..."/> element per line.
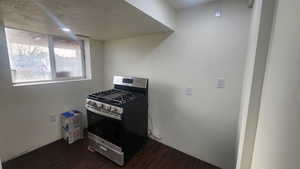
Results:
<point x="71" y="126"/>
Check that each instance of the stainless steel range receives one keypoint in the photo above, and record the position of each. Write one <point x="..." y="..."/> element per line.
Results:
<point x="118" y="119"/>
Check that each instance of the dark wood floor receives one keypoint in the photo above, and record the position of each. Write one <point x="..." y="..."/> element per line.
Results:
<point x="60" y="155"/>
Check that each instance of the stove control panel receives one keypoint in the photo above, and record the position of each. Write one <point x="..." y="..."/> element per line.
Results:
<point x="104" y="109"/>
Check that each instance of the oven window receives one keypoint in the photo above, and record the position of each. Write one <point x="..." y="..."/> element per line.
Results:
<point x="104" y="127"/>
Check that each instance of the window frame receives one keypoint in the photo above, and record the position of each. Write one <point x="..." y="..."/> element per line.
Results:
<point x="53" y="61"/>
<point x="54" y="78"/>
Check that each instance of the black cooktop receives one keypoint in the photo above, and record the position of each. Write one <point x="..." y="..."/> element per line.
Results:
<point x="114" y="96"/>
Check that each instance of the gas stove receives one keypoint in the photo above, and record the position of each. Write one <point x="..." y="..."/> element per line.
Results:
<point x="118" y="119"/>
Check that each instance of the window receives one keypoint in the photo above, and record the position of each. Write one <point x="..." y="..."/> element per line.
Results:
<point x="37" y="57"/>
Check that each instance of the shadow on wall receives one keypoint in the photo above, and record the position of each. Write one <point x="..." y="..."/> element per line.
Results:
<point x="134" y="56"/>
<point x="158" y="90"/>
<point x="145" y="48"/>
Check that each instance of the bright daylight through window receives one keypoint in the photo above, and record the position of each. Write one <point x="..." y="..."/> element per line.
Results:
<point x="37" y="57"/>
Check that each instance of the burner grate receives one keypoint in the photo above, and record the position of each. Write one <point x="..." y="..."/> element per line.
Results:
<point x="114" y="96"/>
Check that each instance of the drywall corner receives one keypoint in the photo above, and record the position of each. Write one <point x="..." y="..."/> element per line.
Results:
<point x="258" y="49"/>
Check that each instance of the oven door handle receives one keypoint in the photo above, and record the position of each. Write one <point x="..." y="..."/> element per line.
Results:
<point x="102" y="113"/>
<point x="103" y="148"/>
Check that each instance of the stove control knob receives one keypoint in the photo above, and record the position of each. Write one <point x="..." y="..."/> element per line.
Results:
<point x="108" y="108"/>
<point x="89" y="102"/>
<point x="102" y="106"/>
<point x="99" y="106"/>
<point x="92" y="103"/>
<point x="114" y="109"/>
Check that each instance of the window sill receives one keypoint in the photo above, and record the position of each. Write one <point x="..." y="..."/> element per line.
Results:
<point x="48" y="82"/>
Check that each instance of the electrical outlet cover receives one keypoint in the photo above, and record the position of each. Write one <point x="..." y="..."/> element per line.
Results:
<point x="188" y="91"/>
<point x="220" y="83"/>
<point x="52" y="117"/>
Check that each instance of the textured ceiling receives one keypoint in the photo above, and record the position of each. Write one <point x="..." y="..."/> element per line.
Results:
<point x="179" y="4"/>
<point x="98" y="19"/>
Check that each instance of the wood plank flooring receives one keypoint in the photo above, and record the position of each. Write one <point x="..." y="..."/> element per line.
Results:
<point x="60" y="155"/>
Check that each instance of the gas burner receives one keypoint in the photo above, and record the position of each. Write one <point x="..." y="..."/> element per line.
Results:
<point x="114" y="96"/>
<point x="105" y="93"/>
<point x="124" y="98"/>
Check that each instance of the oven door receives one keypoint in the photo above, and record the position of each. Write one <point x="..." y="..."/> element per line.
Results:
<point x="106" y="128"/>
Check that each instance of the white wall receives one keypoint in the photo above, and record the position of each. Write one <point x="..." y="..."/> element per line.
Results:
<point x="203" y="48"/>
<point x="25" y="110"/>
<point x="259" y="37"/>
<point x="277" y="143"/>
<point x="160" y="10"/>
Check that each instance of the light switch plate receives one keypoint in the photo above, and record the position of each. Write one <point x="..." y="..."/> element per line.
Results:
<point x="188" y="91"/>
<point x="52" y="118"/>
<point x="220" y="83"/>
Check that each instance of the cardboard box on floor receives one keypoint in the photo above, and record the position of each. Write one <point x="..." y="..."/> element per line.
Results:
<point x="72" y="126"/>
